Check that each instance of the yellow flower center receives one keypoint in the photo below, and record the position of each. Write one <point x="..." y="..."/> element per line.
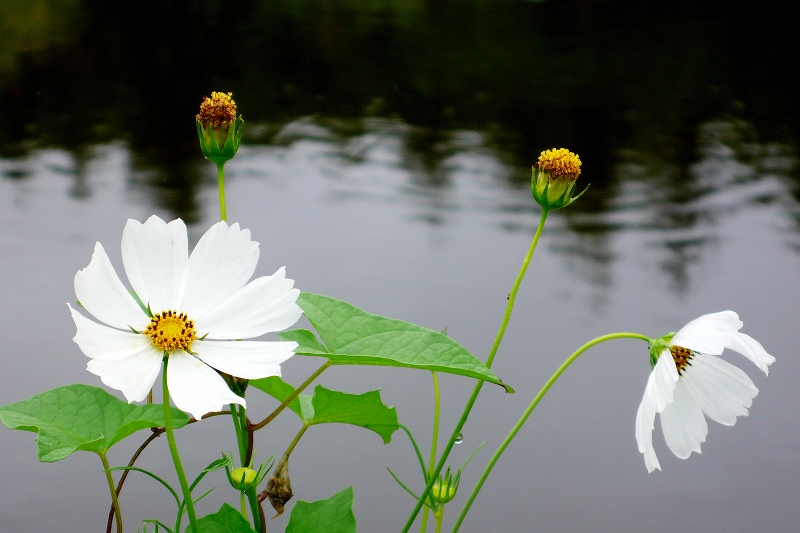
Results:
<point x="560" y="162"/>
<point x="682" y="357"/>
<point x="170" y="331"/>
<point x="218" y="110"/>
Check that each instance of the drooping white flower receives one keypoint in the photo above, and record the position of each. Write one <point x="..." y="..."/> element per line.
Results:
<point x="198" y="307"/>
<point x="689" y="383"/>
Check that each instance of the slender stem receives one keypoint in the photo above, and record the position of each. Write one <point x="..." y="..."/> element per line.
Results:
<point x="291" y="397"/>
<point x="434" y="442"/>
<point x="258" y="515"/>
<point x="221" y="186"/>
<point x="237" y="427"/>
<point x="242" y="505"/>
<point x="173" y="450"/>
<point x="471" y="401"/>
<point x="114" y="499"/>
<point x="439" y="515"/>
<point x="530" y="409"/>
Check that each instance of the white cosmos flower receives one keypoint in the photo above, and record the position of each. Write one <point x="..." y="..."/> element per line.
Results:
<point x="201" y="306"/>
<point x="688" y="382"/>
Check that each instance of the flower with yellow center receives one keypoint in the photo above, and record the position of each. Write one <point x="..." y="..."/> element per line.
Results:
<point x="688" y="382"/>
<point x="194" y="309"/>
<point x="553" y="183"/>
<point x="219" y="128"/>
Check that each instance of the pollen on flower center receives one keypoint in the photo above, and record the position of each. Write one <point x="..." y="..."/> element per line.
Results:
<point x="217" y="110"/>
<point x="682" y="357"/>
<point x="560" y="162"/>
<point x="170" y="331"/>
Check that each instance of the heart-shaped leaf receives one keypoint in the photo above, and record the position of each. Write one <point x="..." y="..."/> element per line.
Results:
<point x="226" y="520"/>
<point x="81" y="417"/>
<point x="352" y="336"/>
<point x="334" y="515"/>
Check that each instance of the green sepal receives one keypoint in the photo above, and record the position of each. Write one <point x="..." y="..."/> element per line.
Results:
<point x="209" y="143"/>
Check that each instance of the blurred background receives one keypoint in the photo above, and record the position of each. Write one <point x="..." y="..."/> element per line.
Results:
<point x="386" y="162"/>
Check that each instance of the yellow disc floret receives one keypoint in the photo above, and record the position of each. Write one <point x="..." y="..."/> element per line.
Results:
<point x="560" y="163"/>
<point x="170" y="331"/>
<point x="682" y="357"/>
<point x="217" y="110"/>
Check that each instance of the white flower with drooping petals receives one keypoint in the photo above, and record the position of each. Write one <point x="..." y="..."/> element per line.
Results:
<point x="688" y="382"/>
<point x="200" y="306"/>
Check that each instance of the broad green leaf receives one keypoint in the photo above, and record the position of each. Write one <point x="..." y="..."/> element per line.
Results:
<point x="365" y="410"/>
<point x="226" y="520"/>
<point x="334" y="515"/>
<point x="280" y="390"/>
<point x="81" y="417"/>
<point x="352" y="336"/>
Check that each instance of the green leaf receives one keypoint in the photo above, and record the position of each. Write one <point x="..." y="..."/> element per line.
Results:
<point x="81" y="417"/>
<point x="226" y="520"/>
<point x="352" y="336"/>
<point x="365" y="410"/>
<point x="334" y="515"/>
<point x="280" y="390"/>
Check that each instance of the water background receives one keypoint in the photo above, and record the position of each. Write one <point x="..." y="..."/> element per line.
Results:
<point x="386" y="162"/>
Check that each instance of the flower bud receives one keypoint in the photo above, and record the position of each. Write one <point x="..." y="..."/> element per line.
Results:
<point x="444" y="489"/>
<point x="219" y="128"/>
<point x="243" y="478"/>
<point x="553" y="182"/>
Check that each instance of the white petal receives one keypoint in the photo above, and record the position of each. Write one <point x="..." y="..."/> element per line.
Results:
<point x="683" y="423"/>
<point x="722" y="390"/>
<point x="264" y="305"/>
<point x="709" y="334"/>
<point x="155" y="255"/>
<point x="245" y="359"/>
<point x="752" y="349"/>
<point x="102" y="342"/>
<point x="133" y="375"/>
<point x="221" y="263"/>
<point x="664" y="378"/>
<point x="195" y="387"/>
<point x="645" y="418"/>
<point x="101" y="293"/>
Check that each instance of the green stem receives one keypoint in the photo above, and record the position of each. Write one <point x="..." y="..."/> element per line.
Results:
<point x="221" y="186"/>
<point x="479" y="385"/>
<point x="439" y="515"/>
<point x="434" y="442"/>
<point x="173" y="449"/>
<point x="112" y="488"/>
<point x="530" y="409"/>
<point x="237" y="427"/>
<point x="291" y="397"/>
<point x="242" y="505"/>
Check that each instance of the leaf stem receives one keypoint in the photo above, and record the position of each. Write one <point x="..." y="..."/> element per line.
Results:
<point x="291" y="397"/>
<point x="173" y="449"/>
<point x="112" y="488"/>
<point x="479" y="385"/>
<point x="530" y="409"/>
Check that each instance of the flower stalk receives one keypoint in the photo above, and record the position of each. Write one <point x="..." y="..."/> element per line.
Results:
<point x="529" y="410"/>
<point x="173" y="449"/>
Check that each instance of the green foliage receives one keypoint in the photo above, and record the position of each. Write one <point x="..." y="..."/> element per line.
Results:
<point x="365" y="410"/>
<point x="351" y="336"/>
<point x="226" y="520"/>
<point x="334" y="515"/>
<point x="81" y="417"/>
<point x="280" y="390"/>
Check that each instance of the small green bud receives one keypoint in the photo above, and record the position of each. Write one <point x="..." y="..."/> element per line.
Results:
<point x="219" y="129"/>
<point x="443" y="493"/>
<point x="553" y="183"/>
<point x="243" y="477"/>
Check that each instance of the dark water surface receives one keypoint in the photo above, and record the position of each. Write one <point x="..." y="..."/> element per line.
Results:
<point x="386" y="163"/>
